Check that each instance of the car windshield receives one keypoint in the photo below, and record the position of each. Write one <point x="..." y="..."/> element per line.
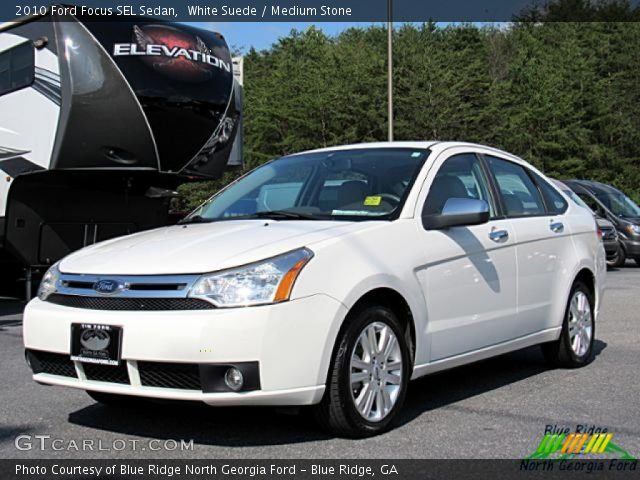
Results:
<point x="362" y="184"/>
<point x="620" y="204"/>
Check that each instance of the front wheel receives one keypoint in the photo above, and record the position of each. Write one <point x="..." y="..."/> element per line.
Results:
<point x="574" y="348"/>
<point x="368" y="375"/>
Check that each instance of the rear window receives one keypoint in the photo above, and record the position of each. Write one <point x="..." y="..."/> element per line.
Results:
<point x="556" y="204"/>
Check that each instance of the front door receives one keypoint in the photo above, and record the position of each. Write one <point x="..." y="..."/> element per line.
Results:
<point x="469" y="272"/>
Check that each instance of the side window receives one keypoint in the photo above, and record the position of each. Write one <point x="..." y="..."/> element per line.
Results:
<point x="556" y="204"/>
<point x="520" y="195"/>
<point x="17" y="68"/>
<point x="460" y="176"/>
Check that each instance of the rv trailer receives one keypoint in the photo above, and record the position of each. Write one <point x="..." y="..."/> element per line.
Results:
<point x="99" y="123"/>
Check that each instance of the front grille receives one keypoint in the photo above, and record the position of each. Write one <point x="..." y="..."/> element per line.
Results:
<point x="185" y="376"/>
<point x="80" y="285"/>
<point x="51" y="363"/>
<point x="106" y="373"/>
<point x="121" y="303"/>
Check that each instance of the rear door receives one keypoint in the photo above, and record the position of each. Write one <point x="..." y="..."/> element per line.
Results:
<point x="542" y="239"/>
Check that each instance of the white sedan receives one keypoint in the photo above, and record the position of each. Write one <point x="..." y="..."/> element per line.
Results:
<point x="328" y="278"/>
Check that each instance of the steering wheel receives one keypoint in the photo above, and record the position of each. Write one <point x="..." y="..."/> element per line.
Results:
<point x="390" y="197"/>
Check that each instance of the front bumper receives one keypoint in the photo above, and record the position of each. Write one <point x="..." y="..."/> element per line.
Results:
<point x="291" y="343"/>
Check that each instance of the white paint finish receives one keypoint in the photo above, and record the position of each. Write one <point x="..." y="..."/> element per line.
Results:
<point x="469" y="280"/>
<point x="469" y="283"/>
<point x="469" y="296"/>
<point x="200" y="248"/>
<point x="545" y="259"/>
<point x="294" y="396"/>
<point x="487" y="352"/>
<point x="289" y="340"/>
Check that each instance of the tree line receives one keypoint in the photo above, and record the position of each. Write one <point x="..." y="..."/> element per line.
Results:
<point x="562" y="95"/>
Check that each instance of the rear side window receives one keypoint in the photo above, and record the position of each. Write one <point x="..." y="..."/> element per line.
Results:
<point x="17" y="68"/>
<point x="520" y="196"/>
<point x="556" y="204"/>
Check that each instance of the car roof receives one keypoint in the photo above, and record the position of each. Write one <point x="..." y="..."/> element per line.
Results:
<point x="430" y="144"/>
<point x="560" y="185"/>
<point x="592" y="186"/>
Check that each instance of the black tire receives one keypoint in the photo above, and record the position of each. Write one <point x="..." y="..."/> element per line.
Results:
<point x="337" y="412"/>
<point x="619" y="259"/>
<point x="637" y="260"/>
<point x="560" y="353"/>
<point x="114" y="400"/>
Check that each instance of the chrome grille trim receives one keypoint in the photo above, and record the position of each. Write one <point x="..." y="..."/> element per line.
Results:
<point x="133" y="286"/>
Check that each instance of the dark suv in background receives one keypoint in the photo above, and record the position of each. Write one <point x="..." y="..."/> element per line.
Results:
<point x="609" y="234"/>
<point x="610" y="203"/>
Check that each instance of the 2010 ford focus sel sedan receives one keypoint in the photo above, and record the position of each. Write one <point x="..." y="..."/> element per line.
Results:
<point x="328" y="278"/>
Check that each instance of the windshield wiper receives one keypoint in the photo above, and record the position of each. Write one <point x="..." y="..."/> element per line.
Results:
<point x="194" y="219"/>
<point x="282" y="215"/>
<point x="272" y="214"/>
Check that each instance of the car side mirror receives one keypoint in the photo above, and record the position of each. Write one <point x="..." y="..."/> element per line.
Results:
<point x="458" y="212"/>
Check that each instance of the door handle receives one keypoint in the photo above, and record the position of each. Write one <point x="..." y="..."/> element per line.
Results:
<point x="557" y="227"/>
<point x="498" y="235"/>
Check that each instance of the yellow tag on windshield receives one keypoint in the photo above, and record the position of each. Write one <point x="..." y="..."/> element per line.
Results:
<point x="372" y="201"/>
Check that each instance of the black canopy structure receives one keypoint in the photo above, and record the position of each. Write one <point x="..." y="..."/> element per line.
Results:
<point x="100" y="121"/>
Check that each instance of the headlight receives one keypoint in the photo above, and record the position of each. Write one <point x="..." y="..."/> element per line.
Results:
<point x="632" y="228"/>
<point x="49" y="282"/>
<point x="260" y="283"/>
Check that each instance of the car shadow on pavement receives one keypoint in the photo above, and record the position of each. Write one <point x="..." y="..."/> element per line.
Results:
<point x="451" y="386"/>
<point x="253" y="426"/>
<point x="205" y="425"/>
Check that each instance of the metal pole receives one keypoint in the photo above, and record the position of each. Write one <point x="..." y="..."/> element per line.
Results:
<point x="390" y="68"/>
<point x="27" y="284"/>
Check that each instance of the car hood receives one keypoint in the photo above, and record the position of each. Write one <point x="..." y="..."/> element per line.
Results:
<point x="200" y="248"/>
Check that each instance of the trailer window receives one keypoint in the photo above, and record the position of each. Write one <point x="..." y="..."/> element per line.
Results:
<point x="17" y="68"/>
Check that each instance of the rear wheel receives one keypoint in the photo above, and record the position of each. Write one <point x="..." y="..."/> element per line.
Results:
<point x="368" y="376"/>
<point x="574" y="348"/>
<point x="618" y="259"/>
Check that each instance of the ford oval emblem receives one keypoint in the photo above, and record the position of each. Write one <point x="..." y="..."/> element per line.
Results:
<point x="107" y="287"/>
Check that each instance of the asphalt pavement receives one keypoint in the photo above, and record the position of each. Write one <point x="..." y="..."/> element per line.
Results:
<point x="493" y="409"/>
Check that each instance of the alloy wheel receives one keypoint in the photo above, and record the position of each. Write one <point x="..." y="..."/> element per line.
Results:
<point x="376" y="371"/>
<point x="580" y="323"/>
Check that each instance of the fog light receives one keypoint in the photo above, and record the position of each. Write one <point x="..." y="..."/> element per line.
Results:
<point x="234" y="379"/>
